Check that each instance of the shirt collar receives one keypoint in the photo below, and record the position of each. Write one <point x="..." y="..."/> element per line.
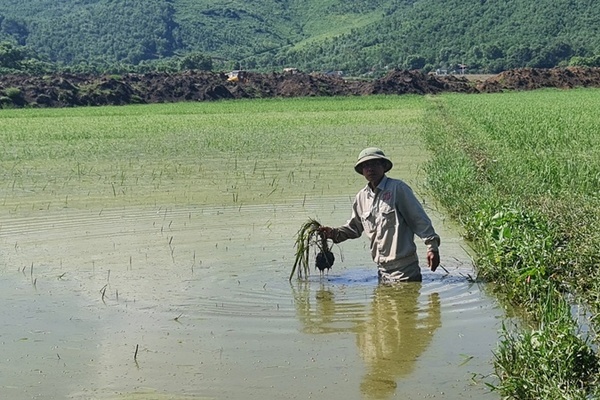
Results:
<point x="379" y="187"/>
<point x="382" y="184"/>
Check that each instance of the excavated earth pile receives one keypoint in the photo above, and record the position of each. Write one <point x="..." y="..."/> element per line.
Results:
<point x="69" y="90"/>
<point x="532" y="78"/>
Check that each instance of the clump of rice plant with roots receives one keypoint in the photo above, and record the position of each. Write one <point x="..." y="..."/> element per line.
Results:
<point x="310" y="236"/>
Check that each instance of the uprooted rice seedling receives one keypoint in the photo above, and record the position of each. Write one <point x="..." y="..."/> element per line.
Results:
<point x="309" y="235"/>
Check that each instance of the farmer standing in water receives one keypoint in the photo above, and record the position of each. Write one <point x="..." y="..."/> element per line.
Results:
<point x="388" y="212"/>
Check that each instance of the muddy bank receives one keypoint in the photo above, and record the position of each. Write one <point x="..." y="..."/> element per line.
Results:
<point x="69" y="90"/>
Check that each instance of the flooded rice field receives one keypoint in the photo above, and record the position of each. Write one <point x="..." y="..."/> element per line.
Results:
<point x="164" y="274"/>
<point x="195" y="302"/>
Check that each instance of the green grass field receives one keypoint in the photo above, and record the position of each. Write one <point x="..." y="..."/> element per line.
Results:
<point x="520" y="171"/>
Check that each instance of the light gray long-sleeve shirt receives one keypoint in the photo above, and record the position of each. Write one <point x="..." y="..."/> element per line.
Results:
<point x="390" y="217"/>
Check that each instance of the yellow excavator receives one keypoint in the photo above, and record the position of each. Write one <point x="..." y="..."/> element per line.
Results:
<point x="237" y="75"/>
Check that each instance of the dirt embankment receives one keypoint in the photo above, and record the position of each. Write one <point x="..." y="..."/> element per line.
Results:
<point x="68" y="90"/>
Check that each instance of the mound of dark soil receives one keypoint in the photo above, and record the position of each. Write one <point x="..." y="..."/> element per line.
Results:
<point x="414" y="82"/>
<point x="532" y="78"/>
<point x="68" y="90"/>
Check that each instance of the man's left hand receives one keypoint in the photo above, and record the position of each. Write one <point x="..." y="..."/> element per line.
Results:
<point x="433" y="260"/>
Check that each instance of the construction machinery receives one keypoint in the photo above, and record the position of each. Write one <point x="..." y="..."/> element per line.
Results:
<point x="236" y="75"/>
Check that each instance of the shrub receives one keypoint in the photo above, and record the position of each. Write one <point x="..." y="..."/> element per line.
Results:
<point x="13" y="93"/>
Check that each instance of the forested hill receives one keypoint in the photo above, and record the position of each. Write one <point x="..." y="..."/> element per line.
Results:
<point x="355" y="36"/>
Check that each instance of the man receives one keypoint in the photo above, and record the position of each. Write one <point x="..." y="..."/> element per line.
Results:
<point x="388" y="212"/>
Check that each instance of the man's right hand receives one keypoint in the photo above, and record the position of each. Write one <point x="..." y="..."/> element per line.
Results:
<point x="433" y="260"/>
<point x="327" y="231"/>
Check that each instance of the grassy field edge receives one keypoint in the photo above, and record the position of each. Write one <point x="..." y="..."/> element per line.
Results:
<point x="511" y="169"/>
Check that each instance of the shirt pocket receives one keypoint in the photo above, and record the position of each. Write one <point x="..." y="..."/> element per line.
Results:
<point x="387" y="218"/>
<point x="369" y="222"/>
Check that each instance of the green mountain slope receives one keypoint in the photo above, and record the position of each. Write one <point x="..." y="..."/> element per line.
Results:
<point x="357" y="36"/>
<point x="96" y="31"/>
<point x="492" y="35"/>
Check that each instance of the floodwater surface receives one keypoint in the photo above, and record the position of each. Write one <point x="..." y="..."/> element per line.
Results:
<point x="196" y="303"/>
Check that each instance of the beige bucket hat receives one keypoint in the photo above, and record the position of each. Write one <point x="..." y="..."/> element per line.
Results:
<point x="372" y="153"/>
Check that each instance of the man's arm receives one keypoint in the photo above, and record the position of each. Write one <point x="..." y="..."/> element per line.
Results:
<point x="350" y="230"/>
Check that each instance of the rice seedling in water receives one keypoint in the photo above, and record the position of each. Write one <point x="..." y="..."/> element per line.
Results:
<point x="309" y="236"/>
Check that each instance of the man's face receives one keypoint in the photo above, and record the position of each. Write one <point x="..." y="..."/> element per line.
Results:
<point x="373" y="171"/>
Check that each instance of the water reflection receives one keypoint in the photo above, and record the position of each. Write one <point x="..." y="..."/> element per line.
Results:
<point x="396" y="332"/>
<point x="326" y="315"/>
<point x="391" y="333"/>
